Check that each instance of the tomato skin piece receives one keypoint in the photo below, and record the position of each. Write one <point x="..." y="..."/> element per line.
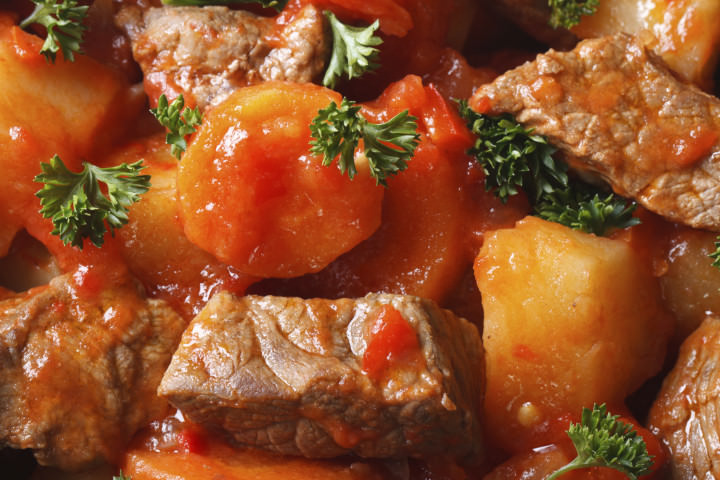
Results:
<point x="392" y="341"/>
<point x="251" y="194"/>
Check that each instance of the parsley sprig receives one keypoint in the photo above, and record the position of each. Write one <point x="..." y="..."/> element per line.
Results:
<point x="336" y="132"/>
<point x="64" y="24"/>
<point x="601" y="440"/>
<point x="180" y="121"/>
<point x="77" y="205"/>
<point x="585" y="208"/>
<point x="354" y="51"/>
<point x="512" y="157"/>
<point x="121" y="476"/>
<point x="567" y="13"/>
<point x="276" y="4"/>
<point x="716" y="254"/>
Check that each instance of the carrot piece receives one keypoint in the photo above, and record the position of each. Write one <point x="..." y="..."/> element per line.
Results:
<point x="234" y="464"/>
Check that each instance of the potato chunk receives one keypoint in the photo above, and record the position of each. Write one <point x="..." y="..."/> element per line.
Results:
<point x="63" y="108"/>
<point x="253" y="196"/>
<point x="570" y="319"/>
<point x="153" y="242"/>
<point x="691" y="285"/>
<point x="685" y="33"/>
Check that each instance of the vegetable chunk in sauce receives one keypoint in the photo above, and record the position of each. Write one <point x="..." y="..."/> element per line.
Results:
<point x="251" y="194"/>
<point x="303" y="377"/>
<point x="570" y="320"/>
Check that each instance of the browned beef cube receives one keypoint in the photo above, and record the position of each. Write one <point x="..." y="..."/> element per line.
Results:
<point x="287" y="375"/>
<point x="206" y="53"/>
<point x="614" y="110"/>
<point x="686" y="413"/>
<point x="78" y="377"/>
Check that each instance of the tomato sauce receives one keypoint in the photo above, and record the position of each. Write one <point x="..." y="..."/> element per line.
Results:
<point x="250" y="210"/>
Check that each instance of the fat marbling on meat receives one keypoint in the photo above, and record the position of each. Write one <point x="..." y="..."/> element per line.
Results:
<point x="686" y="413"/>
<point x="286" y="375"/>
<point x="615" y="110"/>
<point x="205" y="53"/>
<point x="78" y="377"/>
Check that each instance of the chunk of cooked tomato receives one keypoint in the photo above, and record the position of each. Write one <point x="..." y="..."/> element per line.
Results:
<point x="252" y="194"/>
<point x="392" y="341"/>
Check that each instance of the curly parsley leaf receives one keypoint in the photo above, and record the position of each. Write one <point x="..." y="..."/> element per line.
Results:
<point x="336" y="132"/>
<point x="601" y="440"/>
<point x="121" y="476"/>
<point x="64" y="24"/>
<point x="179" y="122"/>
<point x="276" y="4"/>
<point x="567" y="13"/>
<point x="77" y="205"/>
<point x="512" y="157"/>
<point x="582" y="207"/>
<point x="716" y="254"/>
<point x="354" y="51"/>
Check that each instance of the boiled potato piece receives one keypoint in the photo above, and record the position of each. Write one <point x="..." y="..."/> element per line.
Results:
<point x="685" y="33"/>
<point x="252" y="195"/>
<point x="570" y="319"/>
<point x="64" y="108"/>
<point x="690" y="284"/>
<point x="153" y="242"/>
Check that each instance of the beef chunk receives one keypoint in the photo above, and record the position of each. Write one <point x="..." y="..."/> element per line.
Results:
<point x="78" y="377"/>
<point x="614" y="110"/>
<point x="205" y="53"/>
<point x="286" y="374"/>
<point x="686" y="413"/>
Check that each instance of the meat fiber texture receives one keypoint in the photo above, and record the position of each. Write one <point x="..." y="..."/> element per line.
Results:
<point x="686" y="413"/>
<point x="78" y="377"/>
<point x="205" y="53"/>
<point x="285" y="374"/>
<point x="615" y="111"/>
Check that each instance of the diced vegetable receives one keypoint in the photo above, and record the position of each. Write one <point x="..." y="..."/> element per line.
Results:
<point x="685" y="34"/>
<point x="221" y="461"/>
<point x="153" y="242"/>
<point x="691" y="285"/>
<point x="419" y="249"/>
<point x="66" y="109"/>
<point x="567" y="322"/>
<point x="252" y="194"/>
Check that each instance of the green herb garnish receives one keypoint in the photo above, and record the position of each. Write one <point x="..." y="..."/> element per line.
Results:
<point x="179" y="122"/>
<point x="512" y="157"/>
<point x="354" y="51"/>
<point x="77" y="205"/>
<point x="584" y="208"/>
<point x="567" y="13"/>
<point x="64" y="24"/>
<point x="336" y="132"/>
<point x="601" y="440"/>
